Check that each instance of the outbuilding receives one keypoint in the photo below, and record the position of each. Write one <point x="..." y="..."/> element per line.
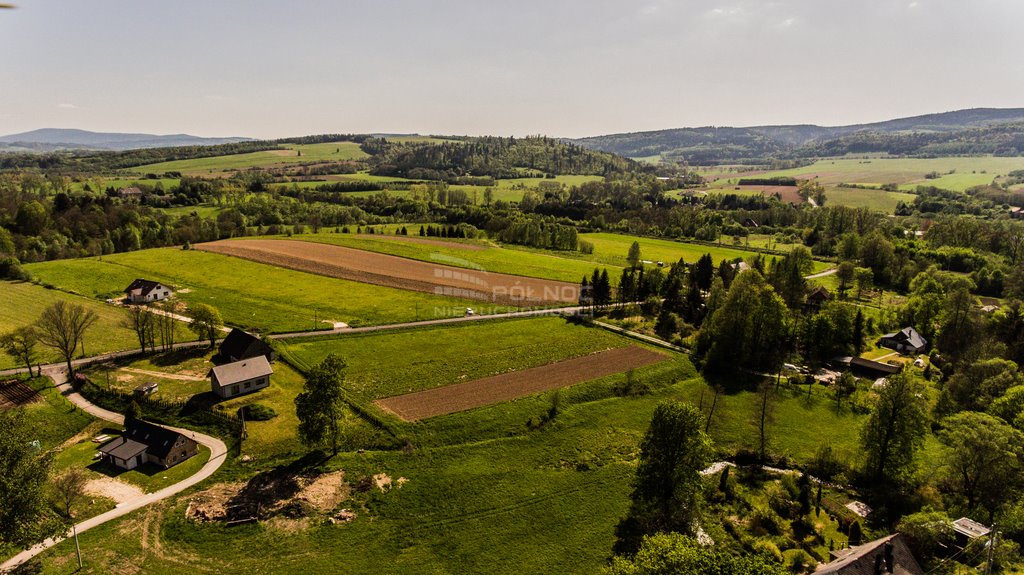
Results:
<point x="241" y="377"/>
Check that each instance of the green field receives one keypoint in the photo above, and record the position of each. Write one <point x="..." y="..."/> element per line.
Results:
<point x="24" y="302"/>
<point x="566" y="266"/>
<point x="907" y="172"/>
<point x="249" y="294"/>
<point x="327" y="152"/>
<point x="414" y="362"/>
<point x="510" y="190"/>
<point x="612" y="249"/>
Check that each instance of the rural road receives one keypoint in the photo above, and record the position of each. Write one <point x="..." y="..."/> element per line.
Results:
<point x="827" y="272"/>
<point x="218" y="453"/>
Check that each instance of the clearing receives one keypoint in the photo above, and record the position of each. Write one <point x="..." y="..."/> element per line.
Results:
<point x="507" y="386"/>
<point x="391" y="271"/>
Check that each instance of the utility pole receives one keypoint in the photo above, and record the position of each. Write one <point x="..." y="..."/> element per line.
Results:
<point x="78" y="550"/>
<point x="992" y="536"/>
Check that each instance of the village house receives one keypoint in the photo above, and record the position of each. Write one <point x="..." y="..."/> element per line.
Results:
<point x="818" y="297"/>
<point x="241" y="377"/>
<point x="879" y="557"/>
<point x="906" y="341"/>
<point x="146" y="291"/>
<point x="239" y="345"/>
<point x="131" y="193"/>
<point x="145" y="442"/>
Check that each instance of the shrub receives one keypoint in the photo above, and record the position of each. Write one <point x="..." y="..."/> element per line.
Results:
<point x="765" y="547"/>
<point x="10" y="269"/>
<point x="258" y="412"/>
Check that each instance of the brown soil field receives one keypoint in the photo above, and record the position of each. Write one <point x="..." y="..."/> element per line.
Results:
<point x="14" y="393"/>
<point x="498" y="388"/>
<point x="397" y="272"/>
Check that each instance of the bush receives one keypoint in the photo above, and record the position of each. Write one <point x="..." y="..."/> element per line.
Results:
<point x="765" y="547"/>
<point x="10" y="269"/>
<point x="258" y="412"/>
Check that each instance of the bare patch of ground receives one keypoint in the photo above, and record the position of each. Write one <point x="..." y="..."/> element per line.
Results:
<point x="268" y="496"/>
<point x="403" y="273"/>
<point x="14" y="393"/>
<point x="114" y="489"/>
<point x="177" y="376"/>
<point x="498" y="388"/>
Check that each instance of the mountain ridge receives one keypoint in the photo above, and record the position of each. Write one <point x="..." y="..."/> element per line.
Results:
<point x="53" y="139"/>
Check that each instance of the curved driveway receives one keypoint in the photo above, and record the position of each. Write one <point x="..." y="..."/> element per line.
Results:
<point x="218" y="453"/>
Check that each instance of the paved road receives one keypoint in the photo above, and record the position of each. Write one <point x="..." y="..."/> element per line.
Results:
<point x="218" y="453"/>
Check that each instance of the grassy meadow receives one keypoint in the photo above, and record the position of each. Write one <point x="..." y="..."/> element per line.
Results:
<point x="24" y="302"/>
<point x="249" y="294"/>
<point x="326" y="152"/>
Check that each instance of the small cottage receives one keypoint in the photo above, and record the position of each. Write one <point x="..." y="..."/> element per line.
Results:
<point x="879" y="557"/>
<point x="146" y="291"/>
<point x="241" y="377"/>
<point x="818" y="297"/>
<point x="239" y="345"/>
<point x="967" y="529"/>
<point x="145" y="442"/>
<point x="906" y="341"/>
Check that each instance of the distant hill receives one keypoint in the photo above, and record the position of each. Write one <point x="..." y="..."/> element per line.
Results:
<point x="964" y="131"/>
<point x="53" y="139"/>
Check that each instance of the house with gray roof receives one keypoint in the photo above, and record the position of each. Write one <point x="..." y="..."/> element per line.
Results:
<point x="144" y="442"/>
<point x="241" y="377"/>
<point x="906" y="341"/>
<point x="879" y="557"/>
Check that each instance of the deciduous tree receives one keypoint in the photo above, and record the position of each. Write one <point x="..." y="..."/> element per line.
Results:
<point x="25" y="513"/>
<point x="320" y="406"/>
<point x="895" y="431"/>
<point x="62" y="326"/>
<point x="21" y="345"/>
<point x="206" y="322"/>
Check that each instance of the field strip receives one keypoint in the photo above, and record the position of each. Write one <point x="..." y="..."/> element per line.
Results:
<point x="397" y="272"/>
<point x="506" y="386"/>
<point x="421" y="240"/>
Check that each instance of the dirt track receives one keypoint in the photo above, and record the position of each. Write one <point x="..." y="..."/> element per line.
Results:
<point x="498" y="388"/>
<point x="393" y="271"/>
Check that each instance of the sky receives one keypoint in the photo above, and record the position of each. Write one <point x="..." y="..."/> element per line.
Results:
<point x="567" y="68"/>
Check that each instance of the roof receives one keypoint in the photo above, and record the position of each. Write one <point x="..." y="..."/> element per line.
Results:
<point x="970" y="528"/>
<point x="231" y="373"/>
<point x="819" y="293"/>
<point x="241" y="345"/>
<point x="881" y="556"/>
<point x="874" y="365"/>
<point x="907" y="335"/>
<point x="123" y="448"/>
<point x="148" y="386"/>
<point x="145" y="285"/>
<point x="158" y="438"/>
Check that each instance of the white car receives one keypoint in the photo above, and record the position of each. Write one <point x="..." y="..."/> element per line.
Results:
<point x="469" y="311"/>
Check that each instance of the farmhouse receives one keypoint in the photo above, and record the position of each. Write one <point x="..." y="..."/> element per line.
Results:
<point x="818" y="297"/>
<point x="906" y="341"/>
<point x="145" y="291"/>
<point x="239" y="345"/>
<point x="145" y="442"/>
<point x="131" y="193"/>
<point x="881" y="556"/>
<point x="241" y="377"/>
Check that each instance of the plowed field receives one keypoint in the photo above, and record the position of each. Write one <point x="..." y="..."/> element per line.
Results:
<point x="14" y="393"/>
<point x="393" y="271"/>
<point x="498" y="388"/>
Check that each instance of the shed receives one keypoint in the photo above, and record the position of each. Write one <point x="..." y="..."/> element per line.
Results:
<point x="967" y="529"/>
<point x="241" y="377"/>
<point x="872" y="369"/>
<point x="146" y="389"/>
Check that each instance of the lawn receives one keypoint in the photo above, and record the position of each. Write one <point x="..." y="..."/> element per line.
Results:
<point x="249" y="294"/>
<point x="293" y="154"/>
<point x="24" y="302"/>
<point x="183" y="373"/>
<point x="149" y="478"/>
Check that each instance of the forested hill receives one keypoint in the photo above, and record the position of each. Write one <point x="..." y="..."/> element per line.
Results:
<point x="490" y="156"/>
<point x="50" y="139"/>
<point x="974" y="131"/>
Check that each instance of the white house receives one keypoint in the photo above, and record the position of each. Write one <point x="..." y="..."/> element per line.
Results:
<point x="146" y="291"/>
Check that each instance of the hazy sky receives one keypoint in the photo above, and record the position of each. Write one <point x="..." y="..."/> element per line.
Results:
<point x="558" y="67"/>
